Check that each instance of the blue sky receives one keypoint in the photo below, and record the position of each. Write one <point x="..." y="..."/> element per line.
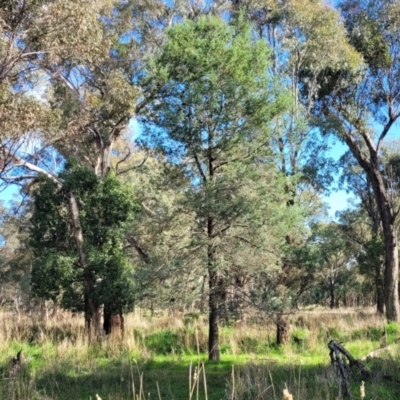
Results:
<point x="337" y="200"/>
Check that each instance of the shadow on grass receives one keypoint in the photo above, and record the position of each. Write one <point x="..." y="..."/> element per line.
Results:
<point x="119" y="379"/>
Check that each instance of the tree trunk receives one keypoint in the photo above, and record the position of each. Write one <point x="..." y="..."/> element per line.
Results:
<point x="372" y="168"/>
<point x="214" y="307"/>
<point x="331" y="294"/>
<point x="213" y="334"/>
<point x="113" y="324"/>
<point x="282" y="331"/>
<point x="391" y="276"/>
<point x="92" y="312"/>
<point x="216" y="296"/>
<point x="203" y="297"/>
<point x="391" y="257"/>
<point x="380" y="293"/>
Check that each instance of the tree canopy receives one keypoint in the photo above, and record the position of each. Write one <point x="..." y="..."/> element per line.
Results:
<point x="106" y="207"/>
<point x="176" y="155"/>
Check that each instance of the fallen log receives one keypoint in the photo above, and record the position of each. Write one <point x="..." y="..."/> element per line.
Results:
<point x="337" y="349"/>
<point x="383" y="349"/>
<point x="343" y="361"/>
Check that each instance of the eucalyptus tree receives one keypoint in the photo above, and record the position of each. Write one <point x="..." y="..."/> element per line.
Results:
<point x="87" y="94"/>
<point x="300" y="33"/>
<point x="33" y="35"/>
<point x="362" y="107"/>
<point x="345" y="73"/>
<point x="85" y="82"/>
<point x="359" y="225"/>
<point x="211" y="116"/>
<point x="364" y="225"/>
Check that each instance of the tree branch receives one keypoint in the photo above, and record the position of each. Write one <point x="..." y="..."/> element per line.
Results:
<point x="384" y="133"/>
<point x="144" y="256"/>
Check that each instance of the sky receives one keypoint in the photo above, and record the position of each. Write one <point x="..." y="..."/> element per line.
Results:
<point x="336" y="200"/>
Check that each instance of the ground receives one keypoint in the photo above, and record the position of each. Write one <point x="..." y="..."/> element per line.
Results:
<point x="165" y="357"/>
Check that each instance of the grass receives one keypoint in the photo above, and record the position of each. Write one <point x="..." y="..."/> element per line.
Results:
<point x="165" y="358"/>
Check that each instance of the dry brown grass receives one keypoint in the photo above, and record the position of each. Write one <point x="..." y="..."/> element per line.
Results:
<point x="59" y="345"/>
<point x="68" y="331"/>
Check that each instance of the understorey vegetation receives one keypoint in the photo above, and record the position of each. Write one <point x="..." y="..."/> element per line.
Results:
<point x="165" y="357"/>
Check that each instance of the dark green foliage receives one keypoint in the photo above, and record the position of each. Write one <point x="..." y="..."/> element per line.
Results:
<point x="371" y="333"/>
<point x="163" y="342"/>
<point x="212" y="115"/>
<point x="213" y="92"/>
<point x="373" y="254"/>
<point x="105" y="209"/>
<point x="366" y="33"/>
<point x="332" y="334"/>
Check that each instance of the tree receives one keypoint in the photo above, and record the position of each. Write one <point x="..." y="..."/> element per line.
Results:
<point x="346" y="75"/>
<point x="363" y="225"/>
<point x="301" y="34"/>
<point x="167" y="272"/>
<point x="96" y="272"/>
<point x="336" y="257"/>
<point x="212" y="116"/>
<point x="87" y="92"/>
<point x="35" y="35"/>
<point x="362" y="108"/>
<point x="15" y="258"/>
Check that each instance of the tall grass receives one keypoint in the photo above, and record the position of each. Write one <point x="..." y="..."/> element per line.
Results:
<point x="164" y="357"/>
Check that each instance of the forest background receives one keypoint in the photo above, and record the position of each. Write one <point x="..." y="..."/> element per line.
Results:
<point x="214" y="202"/>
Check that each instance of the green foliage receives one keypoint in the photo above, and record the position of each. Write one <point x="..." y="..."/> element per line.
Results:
<point x="214" y="110"/>
<point x="106" y="207"/>
<point x="372" y="255"/>
<point x="210" y="71"/>
<point x="163" y="342"/>
<point x="392" y="329"/>
<point x="332" y="334"/>
<point x="300" y="334"/>
<point x="367" y="34"/>
<point x="57" y="368"/>
<point x="362" y="109"/>
<point x="213" y="107"/>
<point x="370" y="333"/>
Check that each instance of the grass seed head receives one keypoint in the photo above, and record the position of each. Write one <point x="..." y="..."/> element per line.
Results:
<point x="287" y="395"/>
<point x="362" y="390"/>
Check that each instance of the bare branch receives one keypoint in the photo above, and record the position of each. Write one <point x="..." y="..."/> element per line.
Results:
<point x="151" y="211"/>
<point x="384" y="133"/>
<point x="221" y="231"/>
<point x="133" y="242"/>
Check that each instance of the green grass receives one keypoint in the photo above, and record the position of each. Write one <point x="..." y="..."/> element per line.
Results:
<point x="159" y="360"/>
